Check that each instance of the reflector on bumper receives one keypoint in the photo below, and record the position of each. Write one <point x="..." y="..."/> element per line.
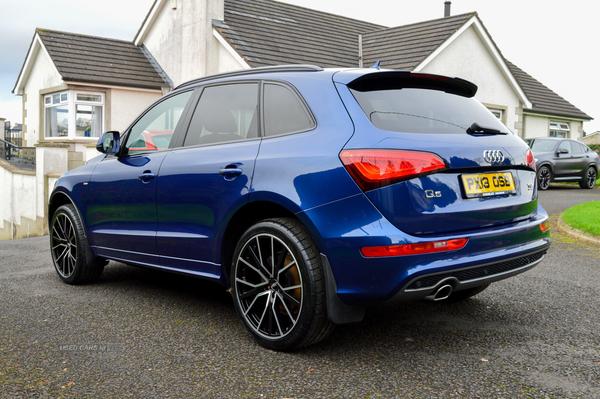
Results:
<point x="414" y="249"/>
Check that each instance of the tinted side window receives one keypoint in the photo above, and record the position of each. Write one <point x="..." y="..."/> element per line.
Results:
<point x="565" y="145"/>
<point x="541" y="145"/>
<point x="155" y="129"/>
<point x="284" y="111"/>
<point x="578" y="148"/>
<point x="224" y="113"/>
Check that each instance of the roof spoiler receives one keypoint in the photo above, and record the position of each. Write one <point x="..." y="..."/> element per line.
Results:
<point x="389" y="80"/>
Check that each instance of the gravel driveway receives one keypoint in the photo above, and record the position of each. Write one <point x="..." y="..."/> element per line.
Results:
<point x="143" y="333"/>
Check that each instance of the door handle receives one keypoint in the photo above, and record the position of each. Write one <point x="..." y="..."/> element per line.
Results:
<point x="230" y="172"/>
<point x="146" y="176"/>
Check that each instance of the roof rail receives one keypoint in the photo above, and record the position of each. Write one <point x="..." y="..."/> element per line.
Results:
<point x="278" y="68"/>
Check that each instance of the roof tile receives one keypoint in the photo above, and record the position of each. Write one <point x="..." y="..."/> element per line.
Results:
<point x="544" y="100"/>
<point x="91" y="59"/>
<point x="267" y="32"/>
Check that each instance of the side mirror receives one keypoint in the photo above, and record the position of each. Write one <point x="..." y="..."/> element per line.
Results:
<point x="109" y="143"/>
<point x="562" y="151"/>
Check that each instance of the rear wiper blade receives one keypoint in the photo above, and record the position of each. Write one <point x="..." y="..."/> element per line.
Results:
<point x="475" y="128"/>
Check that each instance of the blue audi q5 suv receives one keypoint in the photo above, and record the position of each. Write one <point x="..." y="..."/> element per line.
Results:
<point x="310" y="193"/>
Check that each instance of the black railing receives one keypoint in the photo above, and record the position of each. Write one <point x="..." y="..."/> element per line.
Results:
<point x="21" y="157"/>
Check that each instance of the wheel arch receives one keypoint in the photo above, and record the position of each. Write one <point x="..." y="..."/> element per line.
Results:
<point x="58" y="199"/>
<point x="549" y="164"/>
<point x="248" y="215"/>
<point x="593" y="165"/>
<point x="338" y="312"/>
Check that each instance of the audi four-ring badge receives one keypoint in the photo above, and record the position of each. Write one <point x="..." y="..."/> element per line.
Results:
<point x="309" y="194"/>
<point x="493" y="156"/>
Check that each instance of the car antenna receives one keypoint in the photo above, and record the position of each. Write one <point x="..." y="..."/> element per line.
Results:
<point x="376" y="66"/>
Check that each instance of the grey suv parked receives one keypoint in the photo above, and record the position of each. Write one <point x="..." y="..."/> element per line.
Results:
<point x="564" y="160"/>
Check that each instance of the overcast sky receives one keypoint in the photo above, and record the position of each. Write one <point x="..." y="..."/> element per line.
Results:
<point x="557" y="42"/>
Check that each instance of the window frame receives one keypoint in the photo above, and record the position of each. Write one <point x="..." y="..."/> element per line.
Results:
<point x="559" y="129"/>
<point x="71" y="102"/>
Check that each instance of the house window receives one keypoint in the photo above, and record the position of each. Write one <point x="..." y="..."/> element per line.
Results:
<point x="71" y="114"/>
<point x="56" y="115"/>
<point x="497" y="113"/>
<point x="559" y="129"/>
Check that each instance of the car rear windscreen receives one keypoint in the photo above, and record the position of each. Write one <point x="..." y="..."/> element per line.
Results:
<point x="418" y="110"/>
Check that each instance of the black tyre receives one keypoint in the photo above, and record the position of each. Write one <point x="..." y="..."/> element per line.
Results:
<point x="544" y="177"/>
<point x="589" y="180"/>
<point x="67" y="244"/>
<point x="278" y="285"/>
<point x="465" y="294"/>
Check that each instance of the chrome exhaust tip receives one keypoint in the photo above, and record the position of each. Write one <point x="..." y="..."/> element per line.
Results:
<point x="442" y="293"/>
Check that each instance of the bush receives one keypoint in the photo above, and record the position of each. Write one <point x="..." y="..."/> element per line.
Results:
<point x="595" y="147"/>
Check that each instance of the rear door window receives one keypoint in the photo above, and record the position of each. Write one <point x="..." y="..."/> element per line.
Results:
<point x="225" y="113"/>
<point x="578" y="148"/>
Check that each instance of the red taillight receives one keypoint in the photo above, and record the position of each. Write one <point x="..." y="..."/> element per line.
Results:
<point x="414" y="249"/>
<point x="530" y="159"/>
<point x="377" y="168"/>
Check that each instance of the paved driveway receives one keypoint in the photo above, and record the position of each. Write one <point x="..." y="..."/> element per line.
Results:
<point x="142" y="333"/>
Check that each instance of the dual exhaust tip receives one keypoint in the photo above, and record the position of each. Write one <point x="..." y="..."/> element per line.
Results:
<point x="441" y="293"/>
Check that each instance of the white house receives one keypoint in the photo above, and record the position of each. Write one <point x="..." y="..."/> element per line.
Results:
<point x="76" y="86"/>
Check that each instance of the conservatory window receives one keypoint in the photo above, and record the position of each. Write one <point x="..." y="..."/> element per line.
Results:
<point x="71" y="114"/>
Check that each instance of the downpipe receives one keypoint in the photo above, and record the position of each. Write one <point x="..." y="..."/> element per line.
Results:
<point x="440" y="294"/>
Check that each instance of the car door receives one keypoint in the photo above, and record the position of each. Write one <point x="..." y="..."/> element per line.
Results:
<point x="580" y="160"/>
<point x="563" y="159"/>
<point x="121" y="212"/>
<point x="204" y="181"/>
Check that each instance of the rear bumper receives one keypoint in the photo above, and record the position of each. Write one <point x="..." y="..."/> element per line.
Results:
<point x="469" y="277"/>
<point x="343" y="227"/>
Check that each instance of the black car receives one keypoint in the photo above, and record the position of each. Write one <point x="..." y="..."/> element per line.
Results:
<point x="564" y="160"/>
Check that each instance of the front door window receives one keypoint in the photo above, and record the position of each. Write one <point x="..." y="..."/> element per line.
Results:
<point x="155" y="129"/>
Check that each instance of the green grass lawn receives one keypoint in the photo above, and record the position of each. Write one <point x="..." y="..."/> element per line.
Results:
<point x="584" y="217"/>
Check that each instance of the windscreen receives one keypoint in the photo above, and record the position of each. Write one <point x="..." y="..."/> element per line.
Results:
<point x="417" y="110"/>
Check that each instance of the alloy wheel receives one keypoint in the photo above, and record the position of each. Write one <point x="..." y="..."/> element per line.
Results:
<point x="590" y="178"/>
<point x="544" y="177"/>
<point x="268" y="286"/>
<point x="64" y="245"/>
